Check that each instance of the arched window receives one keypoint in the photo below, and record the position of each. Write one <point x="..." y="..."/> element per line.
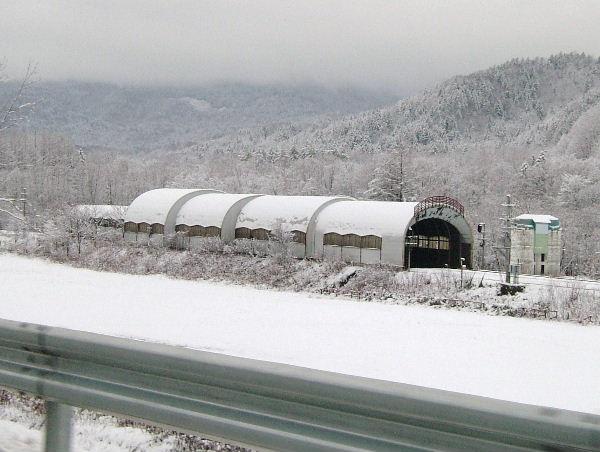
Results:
<point x="260" y="234"/>
<point x="183" y="228"/>
<point x="243" y="233"/>
<point x="370" y="241"/>
<point x="299" y="236"/>
<point x="130" y="226"/>
<point x="332" y="238"/>
<point x="157" y="228"/>
<point x="212" y="231"/>
<point x="197" y="231"/>
<point x="351" y="240"/>
<point x="144" y="228"/>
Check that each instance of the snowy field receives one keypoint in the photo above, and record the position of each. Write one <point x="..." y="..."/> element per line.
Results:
<point x="537" y="362"/>
<point x="522" y="360"/>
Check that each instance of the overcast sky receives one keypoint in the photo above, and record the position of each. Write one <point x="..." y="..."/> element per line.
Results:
<point x="397" y="45"/>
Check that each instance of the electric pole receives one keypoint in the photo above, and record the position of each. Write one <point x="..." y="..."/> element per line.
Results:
<point x="24" y="201"/>
<point x="507" y="228"/>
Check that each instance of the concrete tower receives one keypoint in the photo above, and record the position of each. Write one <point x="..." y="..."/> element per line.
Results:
<point x="536" y="244"/>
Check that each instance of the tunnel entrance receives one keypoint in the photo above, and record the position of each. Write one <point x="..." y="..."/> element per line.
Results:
<point x="435" y="243"/>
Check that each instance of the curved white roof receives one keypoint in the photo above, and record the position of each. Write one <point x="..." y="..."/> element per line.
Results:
<point x="292" y="212"/>
<point x="154" y="206"/>
<point x="209" y="209"/>
<point x="366" y="218"/>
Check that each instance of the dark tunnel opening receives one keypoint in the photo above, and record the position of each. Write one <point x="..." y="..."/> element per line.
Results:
<point x="435" y="244"/>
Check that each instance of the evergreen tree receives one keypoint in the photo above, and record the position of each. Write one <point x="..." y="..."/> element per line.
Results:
<point x="390" y="181"/>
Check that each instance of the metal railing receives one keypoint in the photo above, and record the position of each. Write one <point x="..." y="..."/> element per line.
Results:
<point x="439" y="201"/>
<point x="265" y="405"/>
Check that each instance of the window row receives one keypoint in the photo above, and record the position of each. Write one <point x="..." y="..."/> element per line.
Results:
<point x="198" y="231"/>
<point x="263" y="234"/>
<point x="146" y="228"/>
<point x="331" y="238"/>
<point x="435" y="242"/>
<point x="358" y="241"/>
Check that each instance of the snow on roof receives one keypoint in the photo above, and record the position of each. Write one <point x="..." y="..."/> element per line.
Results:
<point x="292" y="212"/>
<point x="209" y="209"/>
<point x="537" y="218"/>
<point x="105" y="211"/>
<point x="366" y="218"/>
<point x="153" y="206"/>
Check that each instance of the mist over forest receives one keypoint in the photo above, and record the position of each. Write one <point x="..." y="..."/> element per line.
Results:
<point x="529" y="127"/>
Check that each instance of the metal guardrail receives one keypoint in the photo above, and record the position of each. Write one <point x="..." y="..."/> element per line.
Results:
<point x="265" y="405"/>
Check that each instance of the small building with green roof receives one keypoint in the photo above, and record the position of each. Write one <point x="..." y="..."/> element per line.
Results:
<point x="536" y="244"/>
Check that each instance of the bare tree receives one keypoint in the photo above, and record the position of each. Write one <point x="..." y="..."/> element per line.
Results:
<point x="13" y="110"/>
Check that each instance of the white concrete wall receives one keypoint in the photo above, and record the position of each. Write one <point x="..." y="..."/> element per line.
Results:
<point x="156" y="239"/>
<point x="298" y="250"/>
<point x="130" y="236"/>
<point x="331" y="252"/>
<point x="182" y="241"/>
<point x="143" y="237"/>
<point x="552" y="259"/>
<point x="522" y="251"/>
<point x="321" y="251"/>
<point x="522" y="242"/>
<point x="370" y="256"/>
<point x="392" y="250"/>
<point x="351" y="254"/>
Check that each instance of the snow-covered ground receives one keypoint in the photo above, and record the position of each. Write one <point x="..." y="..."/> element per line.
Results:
<point x="543" y="363"/>
<point x="90" y="435"/>
<point x="494" y="277"/>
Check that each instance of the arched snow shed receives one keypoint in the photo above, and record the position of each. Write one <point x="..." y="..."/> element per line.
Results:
<point x="210" y="215"/>
<point x="153" y="213"/>
<point x="296" y="214"/>
<point x="441" y="234"/>
<point x="376" y="232"/>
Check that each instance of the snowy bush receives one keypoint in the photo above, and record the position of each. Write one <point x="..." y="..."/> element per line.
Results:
<point x="573" y="302"/>
<point x="281" y="245"/>
<point x="209" y="245"/>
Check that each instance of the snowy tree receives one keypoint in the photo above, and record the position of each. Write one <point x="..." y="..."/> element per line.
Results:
<point x="12" y="107"/>
<point x="391" y="181"/>
<point x="584" y="137"/>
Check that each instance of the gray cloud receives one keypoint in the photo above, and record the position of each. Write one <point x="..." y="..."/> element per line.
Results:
<point x="398" y="45"/>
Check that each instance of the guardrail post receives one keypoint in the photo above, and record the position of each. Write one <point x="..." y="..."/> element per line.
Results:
<point x="58" y="427"/>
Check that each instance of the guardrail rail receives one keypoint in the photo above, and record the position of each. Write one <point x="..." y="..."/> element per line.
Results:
<point x="264" y="405"/>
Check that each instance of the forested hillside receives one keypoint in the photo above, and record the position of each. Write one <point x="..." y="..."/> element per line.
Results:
<point x="522" y="102"/>
<point x="159" y="118"/>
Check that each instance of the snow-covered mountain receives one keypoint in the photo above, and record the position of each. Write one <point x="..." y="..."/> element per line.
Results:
<point x="522" y="102"/>
<point x="162" y="118"/>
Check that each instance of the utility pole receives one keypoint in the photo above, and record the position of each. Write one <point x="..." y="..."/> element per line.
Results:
<point x="507" y="229"/>
<point x="24" y="201"/>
